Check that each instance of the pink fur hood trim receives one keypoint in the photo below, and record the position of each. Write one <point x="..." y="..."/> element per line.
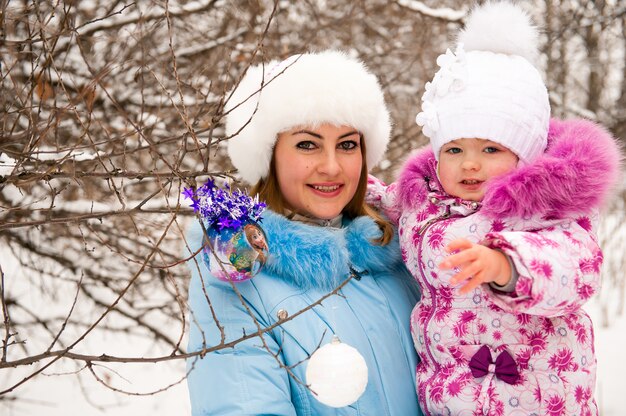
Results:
<point x="575" y="175"/>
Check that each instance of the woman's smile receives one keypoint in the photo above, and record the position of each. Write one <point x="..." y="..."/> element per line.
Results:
<point x="326" y="190"/>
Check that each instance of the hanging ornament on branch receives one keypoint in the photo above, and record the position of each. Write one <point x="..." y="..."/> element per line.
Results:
<point x="235" y="245"/>
<point x="337" y="374"/>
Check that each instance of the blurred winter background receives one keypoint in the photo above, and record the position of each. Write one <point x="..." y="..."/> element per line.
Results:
<point x="110" y="107"/>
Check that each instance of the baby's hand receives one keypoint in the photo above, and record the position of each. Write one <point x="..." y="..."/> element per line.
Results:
<point x="477" y="264"/>
<point x="375" y="191"/>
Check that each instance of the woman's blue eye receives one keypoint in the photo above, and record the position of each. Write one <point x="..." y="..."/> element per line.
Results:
<point x="453" y="150"/>
<point x="306" y="145"/>
<point x="348" y="145"/>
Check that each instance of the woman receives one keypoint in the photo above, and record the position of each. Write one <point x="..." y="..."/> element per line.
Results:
<point x="306" y="140"/>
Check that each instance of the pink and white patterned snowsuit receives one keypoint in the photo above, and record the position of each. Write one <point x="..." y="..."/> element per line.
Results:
<point x="542" y="216"/>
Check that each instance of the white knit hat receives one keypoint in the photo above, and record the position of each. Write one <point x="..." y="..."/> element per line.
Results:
<point x="488" y="88"/>
<point x="304" y="90"/>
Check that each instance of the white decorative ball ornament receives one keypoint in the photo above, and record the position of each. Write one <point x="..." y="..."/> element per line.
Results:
<point x="337" y="374"/>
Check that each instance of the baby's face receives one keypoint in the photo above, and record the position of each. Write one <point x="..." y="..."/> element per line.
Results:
<point x="465" y="165"/>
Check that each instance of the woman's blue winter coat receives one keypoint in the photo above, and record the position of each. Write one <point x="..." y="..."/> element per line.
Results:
<point x="305" y="263"/>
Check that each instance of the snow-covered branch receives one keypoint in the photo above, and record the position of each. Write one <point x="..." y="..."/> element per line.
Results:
<point x="442" y="13"/>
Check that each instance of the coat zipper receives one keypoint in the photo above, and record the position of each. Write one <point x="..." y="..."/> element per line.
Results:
<point x="431" y="290"/>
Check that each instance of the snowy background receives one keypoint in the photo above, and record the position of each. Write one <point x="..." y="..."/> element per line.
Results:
<point x="110" y="109"/>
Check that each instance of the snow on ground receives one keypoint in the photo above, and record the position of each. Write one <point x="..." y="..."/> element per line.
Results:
<point x="59" y="391"/>
<point x="63" y="395"/>
<point x="66" y="396"/>
<point x="610" y="343"/>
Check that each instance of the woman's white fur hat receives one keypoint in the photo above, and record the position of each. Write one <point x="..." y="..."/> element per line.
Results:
<point x="489" y="88"/>
<point x="303" y="90"/>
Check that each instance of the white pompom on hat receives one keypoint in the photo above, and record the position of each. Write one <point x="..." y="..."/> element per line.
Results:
<point x="488" y="88"/>
<point x="304" y="90"/>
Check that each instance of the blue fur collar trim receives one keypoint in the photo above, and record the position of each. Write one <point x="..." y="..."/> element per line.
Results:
<point x="312" y="256"/>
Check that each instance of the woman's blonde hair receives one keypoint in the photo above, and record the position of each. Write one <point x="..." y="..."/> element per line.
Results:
<point x="268" y="190"/>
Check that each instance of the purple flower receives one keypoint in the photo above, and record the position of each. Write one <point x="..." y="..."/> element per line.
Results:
<point x="188" y="193"/>
<point x="224" y="208"/>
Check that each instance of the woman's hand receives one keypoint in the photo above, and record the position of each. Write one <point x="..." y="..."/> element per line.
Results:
<point x="477" y="264"/>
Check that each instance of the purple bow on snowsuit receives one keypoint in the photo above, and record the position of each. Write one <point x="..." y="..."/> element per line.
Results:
<point x="505" y="367"/>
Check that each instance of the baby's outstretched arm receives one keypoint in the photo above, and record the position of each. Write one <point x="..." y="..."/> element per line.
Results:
<point x="477" y="264"/>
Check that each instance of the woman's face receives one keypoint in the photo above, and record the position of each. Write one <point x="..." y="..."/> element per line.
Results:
<point x="318" y="169"/>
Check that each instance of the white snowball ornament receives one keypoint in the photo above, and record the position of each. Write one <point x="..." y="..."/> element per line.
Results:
<point x="337" y="374"/>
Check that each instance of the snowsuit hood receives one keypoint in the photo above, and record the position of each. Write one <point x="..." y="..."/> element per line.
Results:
<point x="576" y="174"/>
